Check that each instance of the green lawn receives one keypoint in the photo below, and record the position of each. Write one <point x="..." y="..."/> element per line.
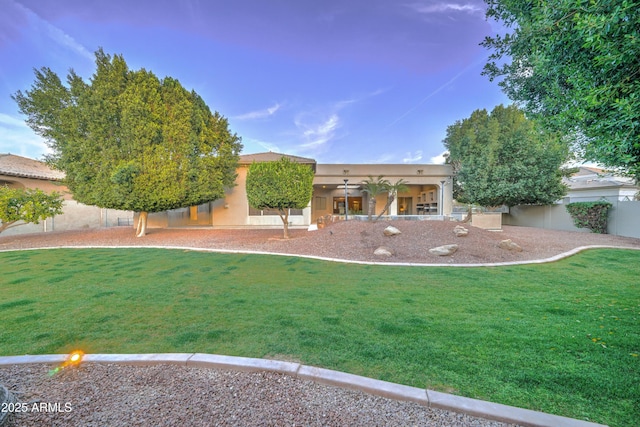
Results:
<point x="562" y="338"/>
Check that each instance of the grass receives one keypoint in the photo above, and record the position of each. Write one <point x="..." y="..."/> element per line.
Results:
<point x="562" y="338"/>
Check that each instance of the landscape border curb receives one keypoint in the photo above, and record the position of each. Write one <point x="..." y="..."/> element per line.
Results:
<point x="339" y="260"/>
<point x="429" y="398"/>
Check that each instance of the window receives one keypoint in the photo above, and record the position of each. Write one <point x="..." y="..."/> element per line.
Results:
<point x="266" y="212"/>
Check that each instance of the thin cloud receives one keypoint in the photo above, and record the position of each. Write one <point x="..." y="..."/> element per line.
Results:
<point x="15" y="133"/>
<point x="445" y="7"/>
<point x="259" y="114"/>
<point x="413" y="157"/>
<point x="435" y="92"/>
<point x="57" y="35"/>
<point x="319" y="134"/>
<point x="439" y="159"/>
<point x="251" y="143"/>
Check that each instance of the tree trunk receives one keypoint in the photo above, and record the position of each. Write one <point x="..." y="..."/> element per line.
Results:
<point x="390" y="200"/>
<point x="372" y="207"/>
<point x="284" y="216"/>
<point x="5" y="225"/>
<point x="141" y="229"/>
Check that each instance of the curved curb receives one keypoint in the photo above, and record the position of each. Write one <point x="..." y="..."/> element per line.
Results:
<point x="429" y="398"/>
<point x="343" y="261"/>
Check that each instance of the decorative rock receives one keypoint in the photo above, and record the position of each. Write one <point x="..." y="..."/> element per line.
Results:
<point x="382" y="251"/>
<point x="444" y="250"/>
<point x="391" y="231"/>
<point x="509" y="245"/>
<point x="460" y="231"/>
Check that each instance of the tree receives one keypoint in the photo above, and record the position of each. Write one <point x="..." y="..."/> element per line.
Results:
<point x="502" y="158"/>
<point x="280" y="185"/>
<point x="392" y="192"/>
<point x="28" y="205"/>
<point x="128" y="140"/>
<point x="575" y="65"/>
<point x="374" y="186"/>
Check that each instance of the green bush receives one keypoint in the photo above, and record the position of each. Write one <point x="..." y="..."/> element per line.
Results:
<point x="591" y="215"/>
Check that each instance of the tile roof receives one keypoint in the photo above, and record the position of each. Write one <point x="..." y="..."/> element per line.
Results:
<point x="12" y="165"/>
<point x="272" y="157"/>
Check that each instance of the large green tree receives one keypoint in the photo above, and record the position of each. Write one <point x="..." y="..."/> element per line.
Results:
<point x="502" y="158"/>
<point x="19" y="206"/>
<point x="575" y="64"/>
<point x="280" y="185"/>
<point x="129" y="140"/>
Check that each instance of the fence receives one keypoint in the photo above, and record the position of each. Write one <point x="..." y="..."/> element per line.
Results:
<point x="76" y="216"/>
<point x="623" y="220"/>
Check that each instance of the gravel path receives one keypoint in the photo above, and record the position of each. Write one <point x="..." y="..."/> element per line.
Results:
<point x="116" y="395"/>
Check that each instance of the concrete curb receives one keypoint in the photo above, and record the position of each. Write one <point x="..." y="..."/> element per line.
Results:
<point x="429" y="398"/>
<point x="343" y="261"/>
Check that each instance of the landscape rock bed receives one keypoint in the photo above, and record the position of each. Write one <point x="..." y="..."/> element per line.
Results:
<point x="351" y="240"/>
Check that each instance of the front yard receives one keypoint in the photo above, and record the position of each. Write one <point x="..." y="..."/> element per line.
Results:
<point x="562" y="338"/>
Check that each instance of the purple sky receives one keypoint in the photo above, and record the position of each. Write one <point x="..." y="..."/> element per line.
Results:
<point x="341" y="81"/>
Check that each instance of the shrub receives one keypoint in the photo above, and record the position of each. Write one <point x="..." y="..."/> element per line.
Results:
<point x="591" y="215"/>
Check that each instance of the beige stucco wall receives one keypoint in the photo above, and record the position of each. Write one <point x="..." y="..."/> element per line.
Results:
<point x="44" y="185"/>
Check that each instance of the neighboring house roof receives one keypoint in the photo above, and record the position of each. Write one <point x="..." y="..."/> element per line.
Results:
<point x="592" y="178"/>
<point x="12" y="165"/>
<point x="272" y="157"/>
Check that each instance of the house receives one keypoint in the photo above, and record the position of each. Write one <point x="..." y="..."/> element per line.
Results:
<point x="429" y="196"/>
<point x="22" y="172"/>
<point x="591" y="183"/>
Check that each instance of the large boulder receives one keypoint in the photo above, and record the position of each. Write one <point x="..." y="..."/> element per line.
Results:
<point x="382" y="251"/>
<point x="445" y="250"/>
<point x="460" y="231"/>
<point x="509" y="245"/>
<point x="391" y="231"/>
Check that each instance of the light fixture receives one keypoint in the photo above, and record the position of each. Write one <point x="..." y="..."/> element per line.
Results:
<point x="346" y="200"/>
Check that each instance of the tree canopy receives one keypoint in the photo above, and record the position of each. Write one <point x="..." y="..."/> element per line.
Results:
<point x="576" y="66"/>
<point x="502" y="158"/>
<point x="129" y="140"/>
<point x="27" y="205"/>
<point x="280" y="185"/>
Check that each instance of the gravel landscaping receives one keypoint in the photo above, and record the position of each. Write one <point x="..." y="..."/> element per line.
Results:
<point x="170" y="395"/>
<point x="352" y="240"/>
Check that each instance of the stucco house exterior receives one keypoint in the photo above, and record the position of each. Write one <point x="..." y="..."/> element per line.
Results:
<point x="430" y="195"/>
<point x="22" y="172"/>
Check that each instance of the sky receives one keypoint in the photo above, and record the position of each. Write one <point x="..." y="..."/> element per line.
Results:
<point x="339" y="81"/>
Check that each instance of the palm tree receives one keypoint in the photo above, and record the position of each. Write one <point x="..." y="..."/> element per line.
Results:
<point x="399" y="187"/>
<point x="374" y="186"/>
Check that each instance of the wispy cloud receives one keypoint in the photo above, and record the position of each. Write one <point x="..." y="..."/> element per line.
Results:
<point x="413" y="157"/>
<point x="252" y="145"/>
<point x="15" y="133"/>
<point x="443" y="7"/>
<point x="259" y="114"/>
<point x="318" y="134"/>
<point x="383" y="158"/>
<point x="439" y="159"/>
<point x="436" y="91"/>
<point x="57" y="34"/>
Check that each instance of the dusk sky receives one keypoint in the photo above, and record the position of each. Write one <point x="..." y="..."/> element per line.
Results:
<point x="340" y="81"/>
